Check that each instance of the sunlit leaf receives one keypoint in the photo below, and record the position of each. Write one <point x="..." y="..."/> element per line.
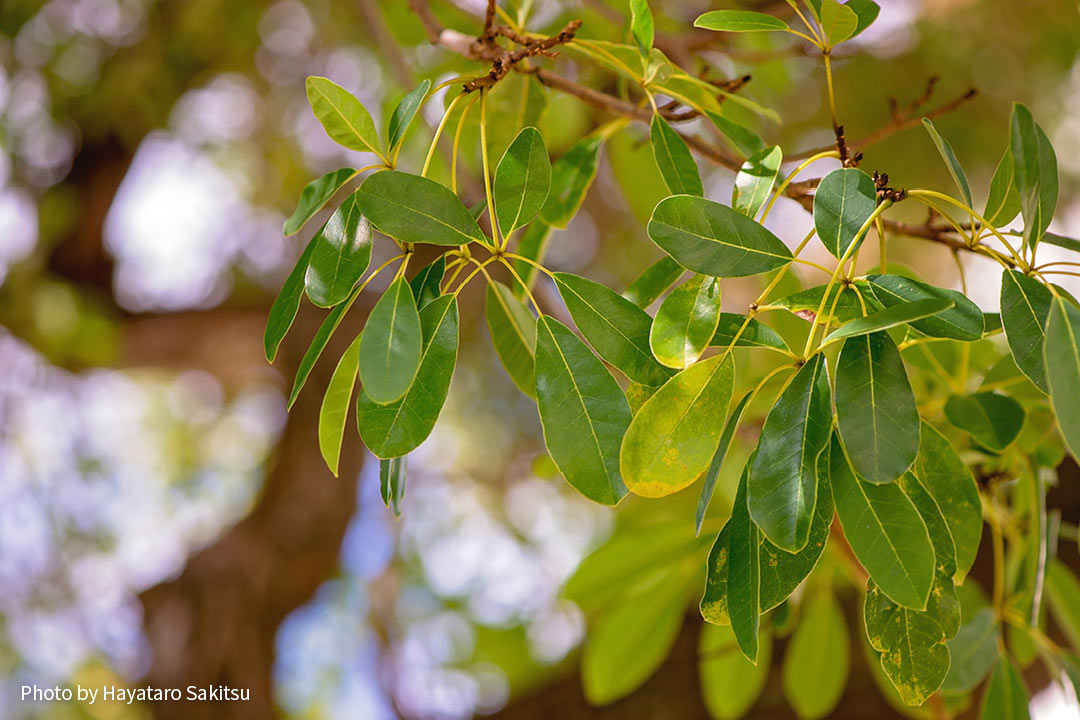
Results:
<point x="641" y="25"/>
<point x="403" y="115"/>
<point x="844" y="308"/>
<point x="838" y="22"/>
<point x="522" y="181"/>
<point x="739" y="21"/>
<point x="571" y="177"/>
<point x="754" y="181"/>
<point x="686" y="321"/>
<point x="964" y="321"/>
<point x="341" y="255"/>
<point x="898" y="314"/>
<point x="343" y="117"/>
<point x="390" y="347"/>
<point x="843" y="203"/>
<point x="335" y="406"/>
<point x="414" y="209"/>
<point x="314" y="196"/>
<point x="756" y="333"/>
<point x="677" y="165"/>
<point x="286" y="304"/>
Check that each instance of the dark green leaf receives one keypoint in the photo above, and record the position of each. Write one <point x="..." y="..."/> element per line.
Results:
<point x="712" y="239"/>
<point x="1006" y="696"/>
<point x="318" y="344"/>
<point x="335" y="406"/>
<point x="1025" y="306"/>
<point x="398" y="428"/>
<point x="616" y="328"/>
<point x="973" y="651"/>
<point x="743" y="139"/>
<point x="571" y="177"/>
<point x="391" y="345"/>
<point x="392" y="475"/>
<point x="744" y="580"/>
<point x="673" y="157"/>
<point x="739" y="21"/>
<point x="1063" y="369"/>
<point x="783" y="478"/>
<point x="341" y="255"/>
<point x="730" y="684"/>
<point x="1034" y="173"/>
<point x="674" y="436"/>
<point x="756" y="334"/>
<point x="414" y="209"/>
<point x="898" y="314"/>
<point x="945" y="149"/>
<point x="1062" y="241"/>
<point x="522" y="181"/>
<point x="994" y="420"/>
<point x="582" y="410"/>
<point x="875" y="408"/>
<point x="866" y="11"/>
<point x="713" y="472"/>
<point x="427" y="284"/>
<point x="652" y="283"/>
<point x="314" y="196"/>
<point x="513" y="332"/>
<point x="964" y="321"/>
<point x="641" y="25"/>
<point x="754" y="181"/>
<point x="343" y="117"/>
<point x="403" y="115"/>
<point x="1003" y="202"/>
<point x="283" y="311"/>
<point x="844" y="201"/>
<point x="686" y="321"/>
<point x="817" y="658"/>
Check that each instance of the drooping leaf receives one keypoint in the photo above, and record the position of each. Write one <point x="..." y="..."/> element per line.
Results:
<point x="398" y="428"/>
<point x="403" y="115"/>
<point x="1025" y="306"/>
<point x="782" y="487"/>
<point x="522" y="181"/>
<point x="936" y="525"/>
<point x="392" y="474"/>
<point x="341" y="255"/>
<point x="885" y="532"/>
<point x="717" y="462"/>
<point x="686" y="321"/>
<point x="335" y="406"/>
<point x="843" y="202"/>
<point x="1062" y="589"/>
<point x="898" y="314"/>
<point x="993" y="419"/>
<point x="838" y="22"/>
<point x="743" y="139"/>
<point x="344" y="118"/>
<point x="641" y="25"/>
<point x="973" y="652"/>
<point x="844" y="308"/>
<point x="712" y="239"/>
<point x="945" y="149"/>
<point x="1034" y="173"/>
<point x="427" y="284"/>
<point x="1062" y="358"/>
<point x="318" y="344"/>
<point x="583" y="412"/>
<point x="756" y="334"/>
<point x="677" y="165"/>
<point x="286" y="304"/>
<point x="513" y="333"/>
<point x="964" y="321"/>
<point x="571" y="177"/>
<point x="314" y="196"/>
<point x="653" y="281"/>
<point x="1006" y="696"/>
<point x="817" y="658"/>
<point x="616" y="328"/>
<point x="875" y="408"/>
<point x="391" y="345"/>
<point x="1061" y="241"/>
<point x="674" y="436"/>
<point x="414" y="209"/>
<point x="744" y="580"/>
<point x="754" y="181"/>
<point x="739" y="21"/>
<point x="730" y="684"/>
<point x="1003" y="201"/>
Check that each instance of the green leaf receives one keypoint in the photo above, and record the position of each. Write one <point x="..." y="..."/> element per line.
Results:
<point x="964" y="321"/>
<point x="744" y="579"/>
<point x="1034" y="173"/>
<point x="513" y="332"/>
<point x="403" y="115"/>
<point x="754" y="181"/>
<point x="673" y="157"/>
<point x="652" y="283"/>
<point x="414" y="209"/>
<point x="571" y="177"/>
<point x="885" y="532"/>
<point x="947" y="478"/>
<point x="1061" y="241"/>
<point x="318" y="344"/>
<point x="1063" y="369"/>
<point x="973" y="652"/>
<point x="398" y="428"/>
<point x="616" y="328"/>
<point x="1006" y="696"/>
<point x="1003" y="201"/>
<point x="875" y="408"/>
<point x="994" y="420"/>
<point x="286" y="304"/>
<point x="392" y="475"/>
<point x="713" y="472"/>
<point x="522" y="181"/>
<point x="532" y="245"/>
<point x="945" y="149"/>
<point x="783" y="478"/>
<point x="314" y="196"/>
<point x="1062" y="589"/>
<point x="866" y="11"/>
<point x="1025" y="307"/>
<point x="805" y="303"/>
<point x="427" y="284"/>
<point x="712" y="239"/>
<point x="335" y="406"/>
<point x="898" y="314"/>
<point x="673" y="438"/>
<point x="743" y="139"/>
<point x="730" y="684"/>
<point x="391" y="345"/>
<point x="780" y="571"/>
<point x="583" y="412"/>
<point x="686" y="321"/>
<point x="756" y="334"/>
<point x="641" y="26"/>
<point x="817" y="658"/>
<point x="843" y="203"/>
<point x="838" y="22"/>
<point x="343" y="117"/>
<point x="739" y="21"/>
<point x="341" y="255"/>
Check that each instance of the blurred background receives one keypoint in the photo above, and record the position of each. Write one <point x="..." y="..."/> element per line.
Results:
<point x="163" y="520"/>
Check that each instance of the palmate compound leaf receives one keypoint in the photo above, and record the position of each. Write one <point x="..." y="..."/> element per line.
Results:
<point x="875" y="408"/>
<point x="314" y="196"/>
<point x="782" y="484"/>
<point x="843" y="202"/>
<point x="391" y="345"/>
<point x="885" y="531"/>
<point x="414" y="209"/>
<point x="1062" y="358"/>
<point x="583" y="412"/>
<point x="780" y="571"/>
<point x="817" y="658"/>
<point x="341" y="255"/>
<point x="335" y="405"/>
<point x="674" y="436"/>
<point x="522" y="181"/>
<point x="1025" y="307"/>
<point x="674" y="160"/>
<point x="398" y="428"/>
<point x="686" y="322"/>
<point x="713" y="239"/>
<point x="344" y="118"/>
<point x="513" y="333"/>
